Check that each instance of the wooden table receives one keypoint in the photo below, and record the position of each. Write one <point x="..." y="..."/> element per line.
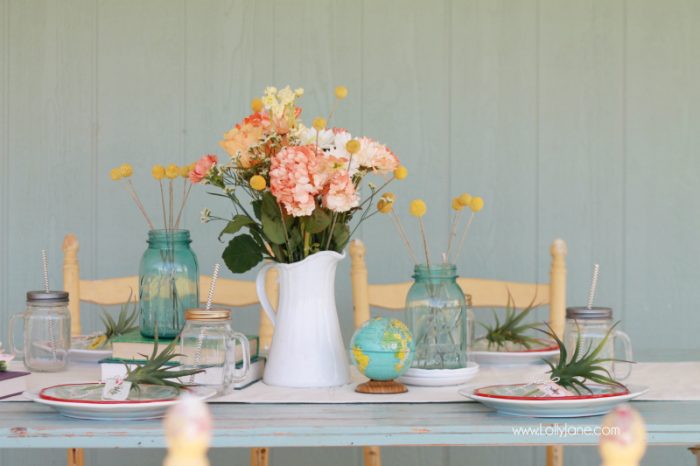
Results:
<point x="28" y="425"/>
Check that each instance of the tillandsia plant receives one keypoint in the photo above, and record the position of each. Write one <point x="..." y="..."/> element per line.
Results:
<point x="512" y="330"/>
<point x="159" y="368"/>
<point x="303" y="182"/>
<point x="575" y="371"/>
<point x="126" y="322"/>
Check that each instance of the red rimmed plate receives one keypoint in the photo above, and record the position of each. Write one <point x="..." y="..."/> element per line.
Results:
<point x="91" y="393"/>
<point x="512" y="400"/>
<point x="514" y="356"/>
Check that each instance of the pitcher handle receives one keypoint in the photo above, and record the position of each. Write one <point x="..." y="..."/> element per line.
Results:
<point x="11" y="336"/>
<point x="627" y="346"/>
<point x="236" y="375"/>
<point x="262" y="294"/>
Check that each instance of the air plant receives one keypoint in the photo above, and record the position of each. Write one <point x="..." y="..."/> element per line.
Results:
<point x="512" y="330"/>
<point x="160" y="369"/>
<point x="573" y="373"/>
<point x="125" y="323"/>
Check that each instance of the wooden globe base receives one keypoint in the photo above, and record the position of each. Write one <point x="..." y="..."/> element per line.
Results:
<point x="381" y="387"/>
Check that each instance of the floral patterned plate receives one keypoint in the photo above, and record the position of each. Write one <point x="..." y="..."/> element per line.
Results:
<point x="516" y="400"/>
<point x="84" y="401"/>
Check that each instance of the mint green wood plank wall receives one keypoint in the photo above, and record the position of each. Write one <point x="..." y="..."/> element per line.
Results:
<point x="574" y="119"/>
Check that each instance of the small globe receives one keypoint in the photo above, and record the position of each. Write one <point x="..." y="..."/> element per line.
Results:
<point x="382" y="349"/>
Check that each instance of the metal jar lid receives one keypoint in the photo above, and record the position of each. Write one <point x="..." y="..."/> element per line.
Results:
<point x="208" y="314"/>
<point x="47" y="296"/>
<point x="584" y="313"/>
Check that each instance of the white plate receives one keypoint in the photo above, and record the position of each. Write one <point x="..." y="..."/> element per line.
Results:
<point x="512" y="358"/>
<point x="79" y="352"/>
<point x="439" y="377"/>
<point x="556" y="408"/>
<point x="123" y="411"/>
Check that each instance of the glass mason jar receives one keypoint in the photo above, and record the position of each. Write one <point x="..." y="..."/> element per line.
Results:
<point x="208" y="342"/>
<point x="168" y="283"/>
<point x="438" y="318"/>
<point x="591" y="326"/>
<point x="46" y="331"/>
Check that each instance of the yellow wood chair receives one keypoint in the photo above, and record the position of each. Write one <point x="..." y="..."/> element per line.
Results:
<point x="484" y="293"/>
<point x="235" y="293"/>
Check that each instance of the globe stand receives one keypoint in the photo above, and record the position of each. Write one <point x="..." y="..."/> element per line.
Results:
<point x="381" y="387"/>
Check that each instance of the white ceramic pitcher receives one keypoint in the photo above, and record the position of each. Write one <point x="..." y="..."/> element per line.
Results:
<point x="307" y="348"/>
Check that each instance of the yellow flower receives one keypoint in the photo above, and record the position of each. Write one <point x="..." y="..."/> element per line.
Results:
<point x="126" y="170"/>
<point x="185" y="171"/>
<point x="385" y="206"/>
<point x="115" y="174"/>
<point x="158" y="172"/>
<point x="456" y="205"/>
<point x="319" y="123"/>
<point x="258" y="183"/>
<point x="464" y="199"/>
<point x="172" y="171"/>
<point x="477" y="204"/>
<point x="389" y="196"/>
<point x="353" y="146"/>
<point x="401" y="173"/>
<point x="299" y="91"/>
<point x="417" y="208"/>
<point x="256" y="105"/>
<point x="341" y="92"/>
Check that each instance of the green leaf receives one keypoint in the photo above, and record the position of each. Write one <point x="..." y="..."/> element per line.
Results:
<point x="242" y="254"/>
<point x="257" y="208"/>
<point x="273" y="229"/>
<point x="235" y="225"/>
<point x="341" y="236"/>
<point x="318" y="221"/>
<point x="270" y="206"/>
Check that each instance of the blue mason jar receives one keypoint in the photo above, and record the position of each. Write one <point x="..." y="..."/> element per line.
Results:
<point x="437" y="317"/>
<point x="168" y="283"/>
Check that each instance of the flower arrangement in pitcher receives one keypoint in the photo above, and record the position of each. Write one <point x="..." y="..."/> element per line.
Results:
<point x="304" y="182"/>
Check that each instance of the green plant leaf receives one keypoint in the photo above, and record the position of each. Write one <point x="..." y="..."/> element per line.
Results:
<point x="269" y="206"/>
<point x="341" y="235"/>
<point x="318" y="221"/>
<point x="273" y="229"/>
<point x="242" y="254"/>
<point x="235" y="225"/>
<point x="257" y="208"/>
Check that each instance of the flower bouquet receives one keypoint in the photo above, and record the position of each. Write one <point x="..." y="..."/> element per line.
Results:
<point x="296" y="193"/>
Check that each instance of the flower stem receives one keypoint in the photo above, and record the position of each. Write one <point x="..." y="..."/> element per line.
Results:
<point x="464" y="235"/>
<point x="182" y="205"/>
<point x="162" y="201"/>
<point x="453" y="233"/>
<point x="425" y="241"/>
<point x="404" y="237"/>
<point x="170" y="206"/>
<point x="130" y="189"/>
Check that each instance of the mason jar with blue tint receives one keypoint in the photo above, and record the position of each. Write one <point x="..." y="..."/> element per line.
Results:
<point x="168" y="283"/>
<point x="437" y="316"/>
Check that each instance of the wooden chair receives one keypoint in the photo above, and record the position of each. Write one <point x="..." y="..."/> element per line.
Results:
<point x="234" y="293"/>
<point x="484" y="293"/>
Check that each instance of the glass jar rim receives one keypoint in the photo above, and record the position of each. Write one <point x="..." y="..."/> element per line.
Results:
<point x="214" y="314"/>
<point x="155" y="236"/>
<point x="47" y="297"/>
<point x="440" y="270"/>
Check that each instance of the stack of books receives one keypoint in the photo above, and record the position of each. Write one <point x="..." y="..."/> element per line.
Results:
<point x="128" y="352"/>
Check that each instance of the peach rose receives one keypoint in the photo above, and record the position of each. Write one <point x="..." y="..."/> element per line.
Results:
<point x="202" y="167"/>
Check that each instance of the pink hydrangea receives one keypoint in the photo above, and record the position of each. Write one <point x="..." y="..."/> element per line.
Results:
<point x="292" y="179"/>
<point x="202" y="167"/>
<point x="375" y="156"/>
<point x="340" y="195"/>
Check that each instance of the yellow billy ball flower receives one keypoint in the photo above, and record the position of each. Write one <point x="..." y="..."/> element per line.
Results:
<point x="464" y="199"/>
<point x="341" y="92"/>
<point x="456" y="205"/>
<point x="185" y="171"/>
<point x="401" y="173"/>
<point x="353" y="146"/>
<point x="258" y="183"/>
<point x="477" y="204"/>
<point x="115" y="174"/>
<point x="417" y="208"/>
<point x="389" y="196"/>
<point x="126" y="170"/>
<point x="158" y="172"/>
<point x="384" y="206"/>
<point x="256" y="105"/>
<point x="172" y="171"/>
<point x="319" y="123"/>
